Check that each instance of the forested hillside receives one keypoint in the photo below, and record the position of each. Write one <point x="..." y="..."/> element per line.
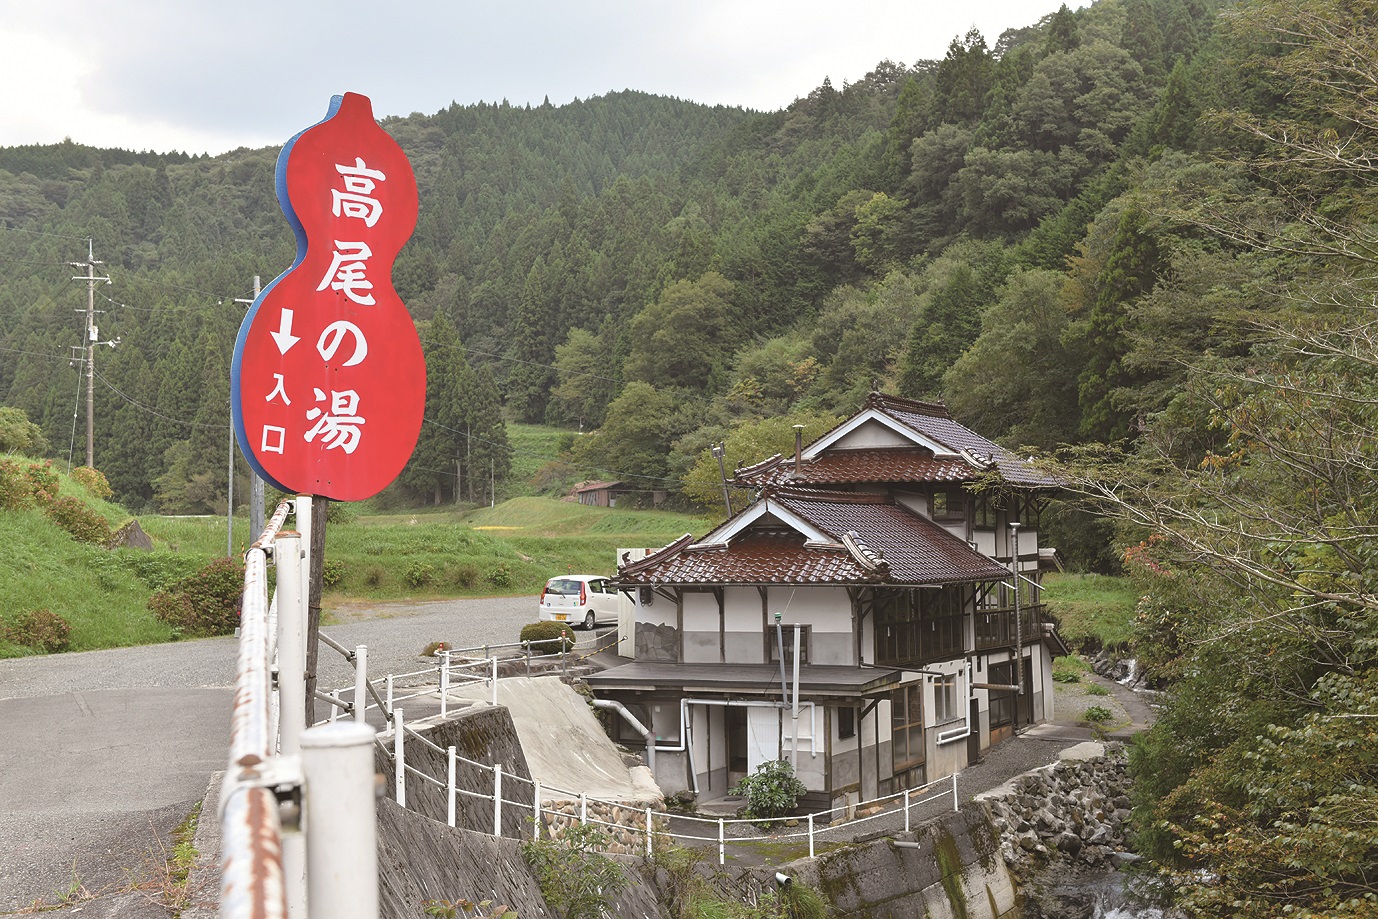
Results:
<point x="1143" y="230"/>
<point x="679" y="269"/>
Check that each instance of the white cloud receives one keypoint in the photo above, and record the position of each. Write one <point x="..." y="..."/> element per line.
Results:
<point x="168" y="74"/>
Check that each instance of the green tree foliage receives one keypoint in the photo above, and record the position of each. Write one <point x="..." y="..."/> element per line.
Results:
<point x="463" y="442"/>
<point x="745" y="445"/>
<point x="1256" y="557"/>
<point x="586" y="385"/>
<point x="683" y="339"/>
<point x="1017" y="381"/>
<point x="1131" y="267"/>
<point x="634" y="442"/>
<point x="20" y="435"/>
<point x="960" y="285"/>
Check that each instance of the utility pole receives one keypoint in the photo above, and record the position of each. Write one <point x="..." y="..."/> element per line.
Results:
<point x="256" y="496"/>
<point x="91" y="335"/>
<point x="718" y="449"/>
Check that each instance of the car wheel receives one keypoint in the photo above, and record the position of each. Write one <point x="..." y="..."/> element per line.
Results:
<point x="589" y="622"/>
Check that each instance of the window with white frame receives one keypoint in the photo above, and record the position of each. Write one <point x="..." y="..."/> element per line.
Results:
<point x="947" y="702"/>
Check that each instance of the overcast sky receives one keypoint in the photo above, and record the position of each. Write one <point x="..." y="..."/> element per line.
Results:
<point x="203" y="76"/>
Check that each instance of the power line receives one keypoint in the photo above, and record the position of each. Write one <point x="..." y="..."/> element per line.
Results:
<point x="144" y="408"/>
<point x="43" y="233"/>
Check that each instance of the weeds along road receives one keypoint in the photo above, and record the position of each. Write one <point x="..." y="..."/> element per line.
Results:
<point x="105" y="752"/>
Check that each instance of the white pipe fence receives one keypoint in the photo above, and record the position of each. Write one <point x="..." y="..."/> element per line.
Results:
<point x="888" y="806"/>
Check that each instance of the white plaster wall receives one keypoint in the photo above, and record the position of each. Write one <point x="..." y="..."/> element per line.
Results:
<point x="827" y="609"/>
<point x="744" y="641"/>
<point x="743" y="609"/>
<point x="871" y="434"/>
<point x="699" y="640"/>
<point x="916" y="503"/>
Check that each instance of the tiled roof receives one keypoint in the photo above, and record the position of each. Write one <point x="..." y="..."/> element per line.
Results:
<point x="895" y="464"/>
<point x="916" y="549"/>
<point x="901" y="464"/>
<point x="933" y="421"/>
<point x="889" y="544"/>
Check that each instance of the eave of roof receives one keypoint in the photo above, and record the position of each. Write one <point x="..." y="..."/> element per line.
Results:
<point x="871" y="540"/>
<point x="744" y="679"/>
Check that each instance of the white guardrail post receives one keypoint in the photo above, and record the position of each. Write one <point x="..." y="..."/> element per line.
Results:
<point x="342" y="849"/>
<point x="291" y="605"/>
<point x="497" y="799"/>
<point x="444" y="680"/>
<point x="450" y="787"/>
<point x="399" y="756"/>
<point x="361" y="684"/>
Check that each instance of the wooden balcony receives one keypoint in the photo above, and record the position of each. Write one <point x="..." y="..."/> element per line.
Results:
<point x="995" y="628"/>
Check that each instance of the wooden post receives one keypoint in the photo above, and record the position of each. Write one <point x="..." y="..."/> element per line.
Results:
<point x="319" y="507"/>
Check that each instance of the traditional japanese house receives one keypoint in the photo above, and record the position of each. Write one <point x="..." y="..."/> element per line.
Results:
<point x="899" y="554"/>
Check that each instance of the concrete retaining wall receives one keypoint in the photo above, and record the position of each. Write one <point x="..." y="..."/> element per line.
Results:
<point x="956" y="873"/>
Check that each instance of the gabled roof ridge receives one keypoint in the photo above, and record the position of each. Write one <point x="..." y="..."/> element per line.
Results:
<point x="764" y="465"/>
<point x="658" y="556"/>
<point x="827" y="495"/>
<point x="884" y="402"/>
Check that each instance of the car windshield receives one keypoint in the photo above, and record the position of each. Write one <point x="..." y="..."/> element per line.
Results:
<point x="565" y="586"/>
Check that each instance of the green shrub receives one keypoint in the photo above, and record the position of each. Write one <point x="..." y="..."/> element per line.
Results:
<point x="43" y="482"/>
<point x="207" y="603"/>
<point x="771" y="791"/>
<point x="93" y="480"/>
<point x="547" y="632"/>
<point x="40" y="629"/>
<point x="1096" y="689"/>
<point x="463" y="575"/>
<point x="1097" y="714"/>
<point x="375" y="575"/>
<point x="332" y="573"/>
<point x="1069" y="669"/>
<point x="435" y="647"/>
<point x="500" y="576"/>
<point x="16" y="492"/>
<point x="79" y="520"/>
<point x="419" y="574"/>
<point x="574" y="876"/>
<point x="158" y="569"/>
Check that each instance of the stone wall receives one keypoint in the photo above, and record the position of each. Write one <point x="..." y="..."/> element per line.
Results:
<point x="420" y="859"/>
<point x="1074" y="809"/>
<point x="627" y="833"/>
<point x="657" y="642"/>
<point x="483" y="734"/>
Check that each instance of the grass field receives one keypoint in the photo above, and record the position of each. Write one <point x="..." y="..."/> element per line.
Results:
<point x="507" y="550"/>
<point x="1092" y="609"/>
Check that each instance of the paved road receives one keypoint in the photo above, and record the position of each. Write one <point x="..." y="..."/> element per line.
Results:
<point x="105" y="752"/>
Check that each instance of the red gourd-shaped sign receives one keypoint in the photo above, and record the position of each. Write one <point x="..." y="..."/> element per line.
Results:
<point x="328" y="382"/>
